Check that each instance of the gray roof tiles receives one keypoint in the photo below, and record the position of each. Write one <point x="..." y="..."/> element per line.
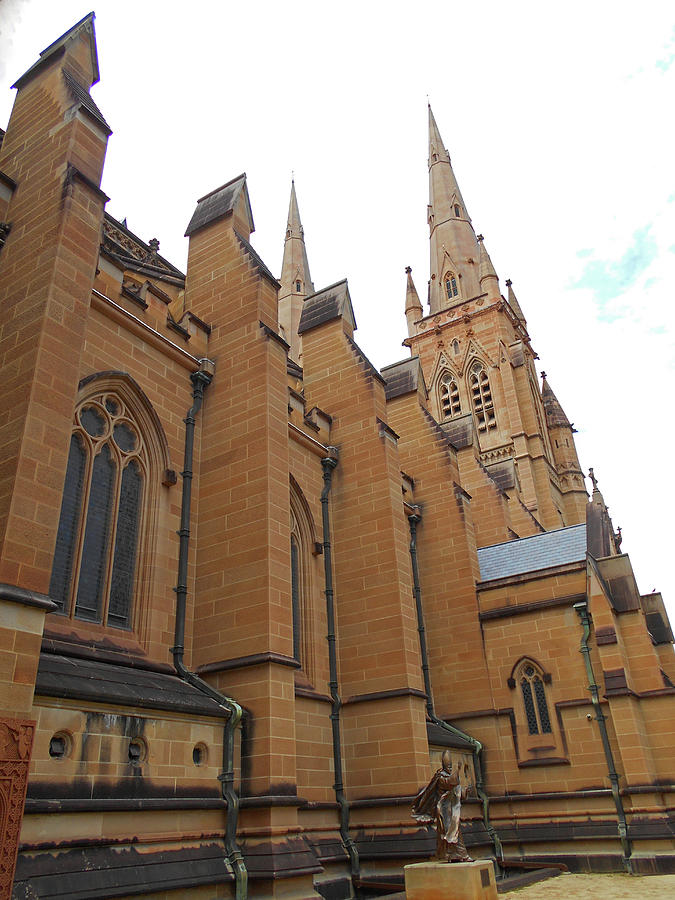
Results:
<point x="541" y="551"/>
<point x="402" y="377"/>
<point x="218" y="204"/>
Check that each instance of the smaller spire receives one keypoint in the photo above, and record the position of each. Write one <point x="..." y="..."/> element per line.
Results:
<point x="296" y="281"/>
<point x="513" y="302"/>
<point x="413" y="307"/>
<point x="555" y="415"/>
<point x="485" y="268"/>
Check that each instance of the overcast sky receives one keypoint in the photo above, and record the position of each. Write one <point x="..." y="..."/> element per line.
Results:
<point x="559" y="121"/>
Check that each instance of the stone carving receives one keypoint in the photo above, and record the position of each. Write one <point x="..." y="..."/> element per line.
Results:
<point x="439" y="805"/>
<point x="16" y="741"/>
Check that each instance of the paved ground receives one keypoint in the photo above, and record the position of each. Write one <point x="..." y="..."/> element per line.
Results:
<point x="599" y="887"/>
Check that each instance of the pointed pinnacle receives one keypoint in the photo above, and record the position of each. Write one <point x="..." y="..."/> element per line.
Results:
<point x="513" y="302"/>
<point x="485" y="268"/>
<point x="555" y="414"/>
<point x="412" y="300"/>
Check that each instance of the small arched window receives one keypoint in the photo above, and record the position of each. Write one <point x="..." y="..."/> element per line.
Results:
<point x="450" y="285"/>
<point x="458" y="211"/>
<point x="104" y="513"/>
<point x="303" y="579"/>
<point x="298" y="287"/>
<point x="450" y="402"/>
<point x="481" y="398"/>
<point x="531" y="683"/>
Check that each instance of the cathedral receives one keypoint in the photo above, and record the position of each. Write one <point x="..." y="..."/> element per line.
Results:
<point x="252" y="589"/>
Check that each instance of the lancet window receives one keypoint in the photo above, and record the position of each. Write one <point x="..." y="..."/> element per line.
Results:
<point x="531" y="683"/>
<point x="481" y="398"/>
<point x="450" y="403"/>
<point x="103" y="513"/>
<point x="451" y="285"/>
<point x="302" y="580"/>
<point x="458" y="211"/>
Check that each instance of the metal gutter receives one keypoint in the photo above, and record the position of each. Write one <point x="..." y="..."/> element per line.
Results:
<point x="476" y="745"/>
<point x="586" y="621"/>
<point x="328" y="463"/>
<point x="201" y="379"/>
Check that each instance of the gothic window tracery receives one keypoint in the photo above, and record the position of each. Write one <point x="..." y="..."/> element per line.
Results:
<point x="103" y="514"/>
<point x="531" y="682"/>
<point x="481" y="398"/>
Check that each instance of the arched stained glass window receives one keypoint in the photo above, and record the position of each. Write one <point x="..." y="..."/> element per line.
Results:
<point x="481" y="398"/>
<point x="99" y="536"/>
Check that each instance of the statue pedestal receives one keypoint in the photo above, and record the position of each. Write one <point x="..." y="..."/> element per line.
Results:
<point x="459" y="881"/>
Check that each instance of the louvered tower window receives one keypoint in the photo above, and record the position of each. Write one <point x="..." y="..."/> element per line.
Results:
<point x="481" y="398"/>
<point x="97" y="546"/>
<point x="534" y="700"/>
<point x="451" y="405"/>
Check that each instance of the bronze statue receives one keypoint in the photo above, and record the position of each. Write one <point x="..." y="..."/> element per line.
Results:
<point x="438" y="805"/>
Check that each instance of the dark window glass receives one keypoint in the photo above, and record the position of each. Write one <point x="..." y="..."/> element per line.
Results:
<point x="295" y="596"/>
<point x="124" y="437"/>
<point x="532" y="726"/>
<point x="112" y="406"/>
<point x="542" y="707"/>
<point x="92" y="421"/>
<point x="297" y="286"/>
<point x="95" y="548"/>
<point x="62" y="570"/>
<point x="457" y="211"/>
<point x="126" y="542"/>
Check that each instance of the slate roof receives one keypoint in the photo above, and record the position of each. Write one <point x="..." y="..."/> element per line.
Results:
<point x="56" y="48"/>
<point x="82" y="96"/>
<point x="323" y="306"/>
<point x="102" y="682"/>
<point x="218" y="204"/>
<point x="541" y="551"/>
<point x="402" y="377"/>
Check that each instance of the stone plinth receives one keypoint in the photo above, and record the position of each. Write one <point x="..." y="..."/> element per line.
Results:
<point x="459" y="881"/>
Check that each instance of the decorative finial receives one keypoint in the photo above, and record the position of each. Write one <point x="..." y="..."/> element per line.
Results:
<point x="617" y="538"/>
<point x="293" y="175"/>
<point x="408" y="270"/>
<point x="479" y="238"/>
<point x="543" y="375"/>
<point x="154" y="246"/>
<point x="508" y="282"/>
<point x="593" y="479"/>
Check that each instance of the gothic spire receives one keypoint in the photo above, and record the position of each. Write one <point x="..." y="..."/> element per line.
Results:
<point x="296" y="281"/>
<point x="413" y="307"/>
<point x="295" y="266"/>
<point x="454" y="250"/>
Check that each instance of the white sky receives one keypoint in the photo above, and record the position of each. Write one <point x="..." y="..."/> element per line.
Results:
<point x="559" y="121"/>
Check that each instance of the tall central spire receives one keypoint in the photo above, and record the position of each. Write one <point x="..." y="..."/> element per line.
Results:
<point x="454" y="249"/>
<point x="296" y="282"/>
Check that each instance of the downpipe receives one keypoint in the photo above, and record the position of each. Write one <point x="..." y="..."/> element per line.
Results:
<point x="200" y="381"/>
<point x="584" y="615"/>
<point x="476" y="745"/>
<point x="328" y="464"/>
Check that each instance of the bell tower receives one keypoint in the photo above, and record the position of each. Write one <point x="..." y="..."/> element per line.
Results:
<point x="479" y="363"/>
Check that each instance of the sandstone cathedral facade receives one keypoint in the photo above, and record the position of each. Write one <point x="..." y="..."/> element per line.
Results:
<point x="252" y="588"/>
